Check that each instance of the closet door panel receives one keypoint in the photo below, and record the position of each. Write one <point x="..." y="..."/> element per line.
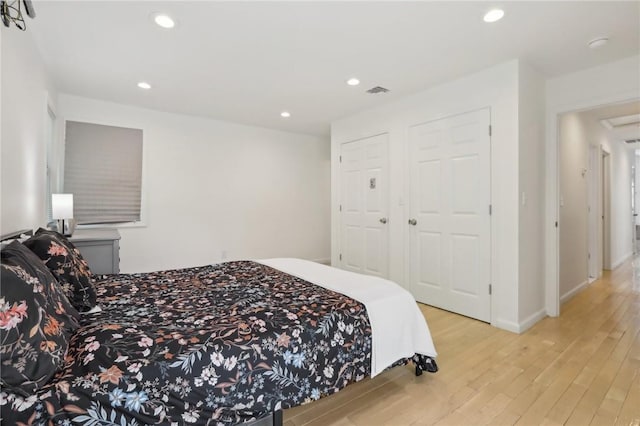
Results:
<point x="364" y="239"/>
<point x="449" y="162"/>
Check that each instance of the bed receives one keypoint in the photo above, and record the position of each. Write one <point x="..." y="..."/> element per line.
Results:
<point x="226" y="343"/>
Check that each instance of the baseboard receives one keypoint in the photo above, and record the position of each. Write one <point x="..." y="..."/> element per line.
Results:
<point x="507" y="325"/>
<point x="326" y="261"/>
<point x="531" y="320"/>
<point x="622" y="260"/>
<point x="522" y="326"/>
<point x="568" y="295"/>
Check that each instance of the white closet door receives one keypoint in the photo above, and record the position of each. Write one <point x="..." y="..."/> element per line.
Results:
<point x="450" y="243"/>
<point x="365" y="203"/>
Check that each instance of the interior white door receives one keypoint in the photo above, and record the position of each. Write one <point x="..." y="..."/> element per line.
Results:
<point x="592" y="213"/>
<point x="606" y="210"/>
<point x="450" y="224"/>
<point x="364" y="205"/>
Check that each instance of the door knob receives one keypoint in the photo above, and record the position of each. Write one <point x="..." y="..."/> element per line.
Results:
<point x="383" y="220"/>
<point x="413" y="222"/>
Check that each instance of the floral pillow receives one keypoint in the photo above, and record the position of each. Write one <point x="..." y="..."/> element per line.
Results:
<point x="66" y="263"/>
<point x="36" y="321"/>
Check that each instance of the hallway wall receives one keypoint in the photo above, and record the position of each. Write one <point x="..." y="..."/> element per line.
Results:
<point x="574" y="159"/>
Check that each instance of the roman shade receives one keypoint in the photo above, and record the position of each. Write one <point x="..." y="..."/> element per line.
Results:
<point x="103" y="171"/>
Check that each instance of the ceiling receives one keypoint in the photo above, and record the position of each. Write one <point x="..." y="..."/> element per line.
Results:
<point x="628" y="112"/>
<point x="248" y="61"/>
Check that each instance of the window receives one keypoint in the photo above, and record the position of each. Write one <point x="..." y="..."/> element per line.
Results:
<point x="103" y="171"/>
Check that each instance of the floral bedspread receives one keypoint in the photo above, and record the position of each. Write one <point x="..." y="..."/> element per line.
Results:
<point x="219" y="344"/>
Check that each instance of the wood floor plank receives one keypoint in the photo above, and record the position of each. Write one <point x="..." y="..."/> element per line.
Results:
<point x="630" y="412"/>
<point x="567" y="367"/>
<point x="617" y="393"/>
<point x="566" y="404"/>
<point x="505" y="419"/>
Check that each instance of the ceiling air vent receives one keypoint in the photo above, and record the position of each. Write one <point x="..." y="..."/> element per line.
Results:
<point x="632" y="140"/>
<point x="377" y="89"/>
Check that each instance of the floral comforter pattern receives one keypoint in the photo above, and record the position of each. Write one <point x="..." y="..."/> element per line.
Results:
<point x="219" y="344"/>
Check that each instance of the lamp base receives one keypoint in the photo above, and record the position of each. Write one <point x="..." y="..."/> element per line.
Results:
<point x="65" y="227"/>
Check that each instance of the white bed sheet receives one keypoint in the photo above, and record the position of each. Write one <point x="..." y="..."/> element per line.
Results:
<point x="398" y="328"/>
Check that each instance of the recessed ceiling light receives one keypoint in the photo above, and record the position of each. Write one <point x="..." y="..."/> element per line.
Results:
<point x="285" y="114"/>
<point x="493" y="15"/>
<point x="598" y="42"/>
<point x="144" y="85"/>
<point x="353" y="82"/>
<point x="164" y="20"/>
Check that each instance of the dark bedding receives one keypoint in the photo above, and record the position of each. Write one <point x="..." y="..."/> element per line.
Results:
<point x="219" y="344"/>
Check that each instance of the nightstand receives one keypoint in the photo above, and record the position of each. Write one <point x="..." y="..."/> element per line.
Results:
<point x="100" y="248"/>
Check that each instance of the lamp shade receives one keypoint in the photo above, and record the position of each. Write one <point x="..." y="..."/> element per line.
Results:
<point x="62" y="206"/>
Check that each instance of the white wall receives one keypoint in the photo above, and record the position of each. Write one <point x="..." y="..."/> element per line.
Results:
<point x="614" y="82"/>
<point x="212" y="186"/>
<point x="26" y="89"/>
<point x="531" y="101"/>
<point x="574" y="158"/>
<point x="209" y="186"/>
<point x="497" y="88"/>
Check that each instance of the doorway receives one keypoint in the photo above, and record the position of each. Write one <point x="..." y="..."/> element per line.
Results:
<point x="596" y="196"/>
<point x="594" y="211"/>
<point x="599" y="211"/>
<point x="606" y="210"/>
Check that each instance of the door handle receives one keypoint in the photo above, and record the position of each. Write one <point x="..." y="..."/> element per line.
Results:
<point x="413" y="222"/>
<point x="383" y="220"/>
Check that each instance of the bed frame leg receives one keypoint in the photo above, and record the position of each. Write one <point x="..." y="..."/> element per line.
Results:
<point x="424" y="363"/>
<point x="277" y="418"/>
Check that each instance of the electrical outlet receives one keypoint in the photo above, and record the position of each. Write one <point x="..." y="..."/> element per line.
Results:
<point x="223" y="255"/>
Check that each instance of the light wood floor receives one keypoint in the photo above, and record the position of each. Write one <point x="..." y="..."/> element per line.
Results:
<point x="579" y="369"/>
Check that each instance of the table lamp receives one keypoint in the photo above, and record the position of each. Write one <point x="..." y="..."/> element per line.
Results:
<point x="61" y="210"/>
